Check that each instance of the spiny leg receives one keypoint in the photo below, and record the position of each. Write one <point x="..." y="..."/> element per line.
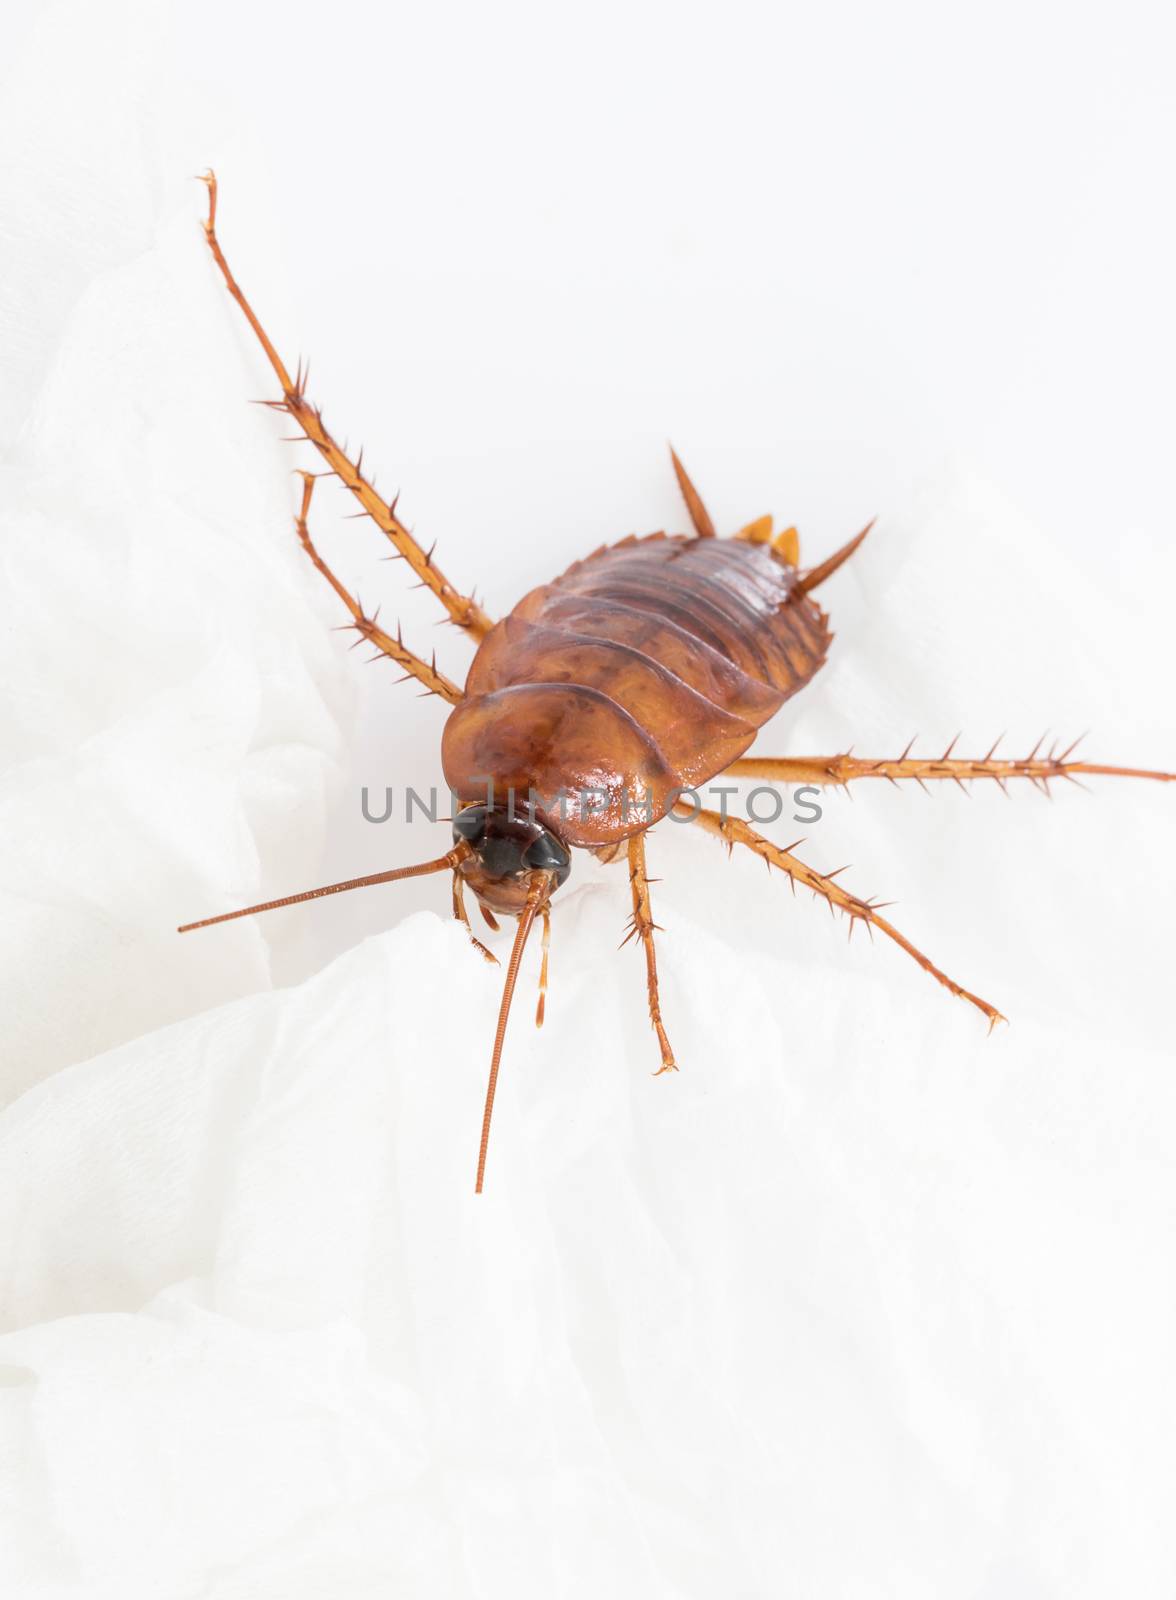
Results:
<point x="699" y="515"/>
<point x="463" y="609"/>
<point x="459" y="911"/>
<point x="733" y="831"/>
<point x="425" y="672"/>
<point x="642" y="926"/>
<point x="842" y="770"/>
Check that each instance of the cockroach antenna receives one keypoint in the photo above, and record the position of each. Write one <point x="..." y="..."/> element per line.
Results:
<point x="538" y="889"/>
<point x="446" y="863"/>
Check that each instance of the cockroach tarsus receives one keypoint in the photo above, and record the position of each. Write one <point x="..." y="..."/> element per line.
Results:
<point x="644" y="670"/>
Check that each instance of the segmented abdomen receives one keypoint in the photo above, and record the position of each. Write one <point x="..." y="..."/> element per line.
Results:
<point x="700" y="640"/>
<point x="721" y="616"/>
<point x="652" y="662"/>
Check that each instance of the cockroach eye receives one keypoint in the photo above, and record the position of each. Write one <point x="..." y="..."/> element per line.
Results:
<point x="470" y="824"/>
<point x="506" y="844"/>
<point x="546" y="854"/>
<point x="500" y="855"/>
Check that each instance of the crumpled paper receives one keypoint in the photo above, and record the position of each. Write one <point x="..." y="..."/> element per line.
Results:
<point x="859" y="1302"/>
<point x="175" y="706"/>
<point x="856" y="1293"/>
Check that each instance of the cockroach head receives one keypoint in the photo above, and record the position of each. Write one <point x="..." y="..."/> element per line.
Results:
<point x="508" y="844"/>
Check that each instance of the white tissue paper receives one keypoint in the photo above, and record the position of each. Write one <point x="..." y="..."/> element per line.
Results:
<point x="860" y="1302"/>
<point x="174" y="704"/>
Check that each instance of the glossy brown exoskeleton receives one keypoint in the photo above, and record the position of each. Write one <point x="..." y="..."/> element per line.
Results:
<point x="605" y="698"/>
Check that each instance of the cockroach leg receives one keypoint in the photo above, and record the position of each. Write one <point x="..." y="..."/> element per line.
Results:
<point x="459" y="911"/>
<point x="733" y="830"/>
<point x="699" y="515"/>
<point x="842" y="770"/>
<point x="541" y="1007"/>
<point x="642" y="926"/>
<point x="367" y="627"/>
<point x="463" y="609"/>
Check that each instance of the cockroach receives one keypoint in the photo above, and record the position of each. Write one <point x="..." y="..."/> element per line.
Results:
<point x="605" y="698"/>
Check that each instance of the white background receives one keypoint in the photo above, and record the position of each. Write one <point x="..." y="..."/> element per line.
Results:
<point x="860" y="1302"/>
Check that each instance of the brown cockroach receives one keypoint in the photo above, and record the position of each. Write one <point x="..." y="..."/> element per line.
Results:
<point x="608" y="695"/>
